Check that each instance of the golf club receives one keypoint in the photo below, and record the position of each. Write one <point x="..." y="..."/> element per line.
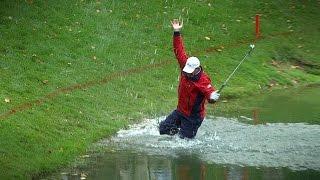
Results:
<point x="247" y="54"/>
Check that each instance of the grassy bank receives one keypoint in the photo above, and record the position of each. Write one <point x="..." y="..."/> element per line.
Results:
<point x="73" y="72"/>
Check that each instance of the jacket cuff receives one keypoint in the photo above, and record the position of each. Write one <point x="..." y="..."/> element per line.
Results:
<point x="176" y="33"/>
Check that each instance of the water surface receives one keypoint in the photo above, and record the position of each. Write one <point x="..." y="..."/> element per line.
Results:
<point x="231" y="147"/>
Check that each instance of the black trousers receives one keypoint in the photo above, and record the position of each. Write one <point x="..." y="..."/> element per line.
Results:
<point x="176" y="122"/>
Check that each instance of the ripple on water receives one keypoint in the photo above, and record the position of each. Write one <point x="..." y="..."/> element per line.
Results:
<point x="228" y="141"/>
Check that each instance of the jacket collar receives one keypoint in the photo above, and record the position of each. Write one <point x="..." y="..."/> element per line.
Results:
<point x="196" y="77"/>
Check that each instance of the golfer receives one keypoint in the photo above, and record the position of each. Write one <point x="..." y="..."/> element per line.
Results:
<point x="194" y="90"/>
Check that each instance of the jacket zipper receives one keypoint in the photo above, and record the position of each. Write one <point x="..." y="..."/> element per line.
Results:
<point x="189" y="98"/>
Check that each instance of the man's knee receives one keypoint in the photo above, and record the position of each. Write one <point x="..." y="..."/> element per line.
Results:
<point x="165" y="128"/>
<point x="187" y="134"/>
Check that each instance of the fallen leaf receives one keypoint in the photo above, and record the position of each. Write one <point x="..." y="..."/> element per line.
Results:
<point x="272" y="83"/>
<point x="296" y="67"/>
<point x="45" y="81"/>
<point x="275" y="63"/>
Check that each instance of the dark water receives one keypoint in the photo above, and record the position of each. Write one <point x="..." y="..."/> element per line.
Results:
<point x="294" y="105"/>
<point x="224" y="148"/>
<point x="134" y="165"/>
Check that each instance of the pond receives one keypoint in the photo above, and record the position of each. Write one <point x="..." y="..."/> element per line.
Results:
<point x="234" y="147"/>
<point x="290" y="105"/>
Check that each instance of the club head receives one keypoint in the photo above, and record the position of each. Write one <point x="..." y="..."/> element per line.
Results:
<point x="252" y="46"/>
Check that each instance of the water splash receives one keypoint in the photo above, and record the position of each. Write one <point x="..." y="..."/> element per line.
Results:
<point x="228" y="141"/>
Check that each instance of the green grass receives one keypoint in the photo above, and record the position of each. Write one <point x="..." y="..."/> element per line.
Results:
<point x="77" y="71"/>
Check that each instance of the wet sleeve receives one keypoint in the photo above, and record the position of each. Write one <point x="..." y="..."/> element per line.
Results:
<point x="206" y="88"/>
<point x="178" y="49"/>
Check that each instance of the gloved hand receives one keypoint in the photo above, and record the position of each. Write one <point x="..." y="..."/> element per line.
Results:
<point x="214" y="97"/>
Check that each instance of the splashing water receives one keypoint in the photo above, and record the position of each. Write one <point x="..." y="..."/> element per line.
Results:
<point x="228" y="141"/>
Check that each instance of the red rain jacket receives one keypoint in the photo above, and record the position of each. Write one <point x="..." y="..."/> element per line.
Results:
<point x="192" y="93"/>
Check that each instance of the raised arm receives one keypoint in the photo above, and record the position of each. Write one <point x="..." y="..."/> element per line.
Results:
<point x="178" y="47"/>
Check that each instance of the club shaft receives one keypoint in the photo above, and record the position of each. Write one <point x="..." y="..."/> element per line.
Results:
<point x="229" y="77"/>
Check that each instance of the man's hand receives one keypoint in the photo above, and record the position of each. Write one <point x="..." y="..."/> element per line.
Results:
<point x="214" y="97"/>
<point x="177" y="25"/>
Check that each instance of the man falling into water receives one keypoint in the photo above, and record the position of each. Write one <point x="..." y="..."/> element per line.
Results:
<point x="194" y="90"/>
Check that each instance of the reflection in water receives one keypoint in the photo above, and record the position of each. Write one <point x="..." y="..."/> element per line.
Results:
<point x="223" y="149"/>
<point x="294" y="105"/>
<point x="126" y="165"/>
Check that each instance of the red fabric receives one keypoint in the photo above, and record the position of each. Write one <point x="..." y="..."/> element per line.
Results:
<point x="192" y="95"/>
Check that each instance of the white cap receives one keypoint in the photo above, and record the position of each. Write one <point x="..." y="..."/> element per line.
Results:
<point x="191" y="64"/>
